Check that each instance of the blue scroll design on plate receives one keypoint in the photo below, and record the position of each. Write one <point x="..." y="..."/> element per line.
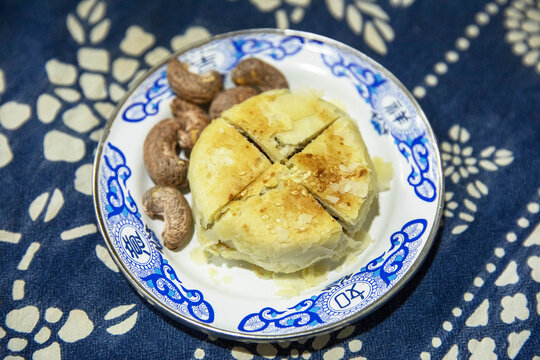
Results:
<point x="415" y="152"/>
<point x="322" y="308"/>
<point x="137" y="245"/>
<point x="302" y="314"/>
<point x="365" y="80"/>
<point x="391" y="113"/>
<point x="149" y="105"/>
<point x="391" y="261"/>
<point x="417" y="155"/>
<point x="277" y="50"/>
<point x="119" y="200"/>
<point x="163" y="281"/>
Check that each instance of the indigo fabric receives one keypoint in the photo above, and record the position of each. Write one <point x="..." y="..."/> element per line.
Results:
<point x="473" y="66"/>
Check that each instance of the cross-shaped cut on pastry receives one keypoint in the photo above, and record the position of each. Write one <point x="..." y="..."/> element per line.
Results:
<point x="286" y="216"/>
<point x="277" y="225"/>
<point x="337" y="170"/>
<point x="281" y="122"/>
<point x="222" y="164"/>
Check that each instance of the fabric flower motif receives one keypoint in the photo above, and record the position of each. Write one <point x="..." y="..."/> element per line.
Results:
<point x="450" y="205"/>
<point x="84" y="94"/>
<point x="514" y="308"/>
<point x="285" y="10"/>
<point x="321" y="342"/>
<point x="365" y="17"/>
<point x="459" y="161"/>
<point x="103" y="82"/>
<point x="467" y="208"/>
<point x="26" y="322"/>
<point x="522" y="20"/>
<point x="482" y="350"/>
<point x="12" y="116"/>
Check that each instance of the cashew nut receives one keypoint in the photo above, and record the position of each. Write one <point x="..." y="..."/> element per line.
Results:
<point x="193" y="127"/>
<point x="198" y="89"/>
<point x="193" y="119"/>
<point x="169" y="203"/>
<point x="227" y="98"/>
<point x="164" y="140"/>
<point x="179" y="105"/>
<point x="160" y="154"/>
<point x="257" y="73"/>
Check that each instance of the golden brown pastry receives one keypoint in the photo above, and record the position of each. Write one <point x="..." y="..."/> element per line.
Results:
<point x="337" y="170"/>
<point x="222" y="164"/>
<point x="286" y="216"/>
<point x="277" y="225"/>
<point x="282" y="122"/>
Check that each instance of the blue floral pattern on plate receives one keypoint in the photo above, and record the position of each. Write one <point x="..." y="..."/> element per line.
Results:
<point x="149" y="104"/>
<point x="277" y="49"/>
<point x="137" y="246"/>
<point x="365" y="80"/>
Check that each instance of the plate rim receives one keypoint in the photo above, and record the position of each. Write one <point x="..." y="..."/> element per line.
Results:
<point x="251" y="337"/>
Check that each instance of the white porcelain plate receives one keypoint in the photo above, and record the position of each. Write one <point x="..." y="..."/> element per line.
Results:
<point x="231" y="301"/>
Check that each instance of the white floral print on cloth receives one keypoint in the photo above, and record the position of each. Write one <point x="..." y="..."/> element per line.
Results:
<point x="93" y="72"/>
<point x="461" y="163"/>
<point x="500" y="301"/>
<point x="13" y="115"/>
<point x="522" y="21"/>
<point x="29" y="324"/>
<point x="103" y="82"/>
<point x="348" y="348"/>
<point x="26" y="324"/>
<point x="89" y="28"/>
<point x="363" y="17"/>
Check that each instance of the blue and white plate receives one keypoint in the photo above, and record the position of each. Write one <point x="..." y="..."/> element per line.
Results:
<point x="232" y="301"/>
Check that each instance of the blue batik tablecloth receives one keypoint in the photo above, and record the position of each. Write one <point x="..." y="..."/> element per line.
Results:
<point x="474" y="67"/>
